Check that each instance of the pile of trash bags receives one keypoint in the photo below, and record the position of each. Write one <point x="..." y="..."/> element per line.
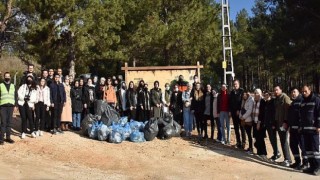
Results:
<point x="107" y="125"/>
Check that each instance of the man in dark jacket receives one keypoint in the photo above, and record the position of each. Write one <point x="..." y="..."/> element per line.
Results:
<point x="235" y="107"/>
<point x="58" y="100"/>
<point x="310" y="127"/>
<point x="296" y="139"/>
<point x="144" y="103"/>
<point x="30" y="71"/>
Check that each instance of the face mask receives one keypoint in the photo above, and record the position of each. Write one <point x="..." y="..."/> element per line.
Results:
<point x="146" y="88"/>
<point x="167" y="88"/>
<point x="29" y="82"/>
<point x="7" y="80"/>
<point x="176" y="90"/>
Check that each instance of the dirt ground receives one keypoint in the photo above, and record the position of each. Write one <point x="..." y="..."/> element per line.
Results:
<point x="72" y="156"/>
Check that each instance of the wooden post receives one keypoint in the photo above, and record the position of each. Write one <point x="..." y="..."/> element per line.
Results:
<point x="198" y="71"/>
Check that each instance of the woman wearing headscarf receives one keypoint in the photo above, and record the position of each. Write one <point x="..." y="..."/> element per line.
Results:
<point x="66" y="116"/>
<point x="131" y="96"/>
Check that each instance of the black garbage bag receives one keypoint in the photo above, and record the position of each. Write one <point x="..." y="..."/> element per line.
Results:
<point x="151" y="129"/>
<point x="166" y="132"/>
<point x="86" y="123"/>
<point x="109" y="114"/>
<point x="99" y="107"/>
<point x="177" y="129"/>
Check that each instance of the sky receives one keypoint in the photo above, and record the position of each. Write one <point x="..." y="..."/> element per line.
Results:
<point x="237" y="5"/>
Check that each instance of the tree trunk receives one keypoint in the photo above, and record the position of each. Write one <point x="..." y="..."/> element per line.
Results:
<point x="3" y="24"/>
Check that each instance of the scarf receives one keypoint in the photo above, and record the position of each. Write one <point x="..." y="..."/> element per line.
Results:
<point x="255" y="111"/>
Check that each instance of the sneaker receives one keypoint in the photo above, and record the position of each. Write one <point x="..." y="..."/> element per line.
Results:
<point x="274" y="158"/>
<point x="33" y="134"/>
<point x="249" y="151"/>
<point x="285" y="163"/>
<point x="238" y="145"/>
<point x="54" y="131"/>
<point x="316" y="172"/>
<point x="305" y="165"/>
<point x="60" y="131"/>
<point x="23" y="135"/>
<point x="37" y="133"/>
<point x="223" y="143"/>
<point x="10" y="141"/>
<point x="41" y="133"/>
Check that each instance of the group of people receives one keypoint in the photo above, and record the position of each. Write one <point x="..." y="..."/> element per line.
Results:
<point x="55" y="103"/>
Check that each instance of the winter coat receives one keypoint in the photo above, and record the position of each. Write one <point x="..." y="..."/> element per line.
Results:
<point x="246" y="110"/>
<point x="282" y="104"/>
<point x="156" y="96"/>
<point x="197" y="103"/>
<point x="23" y="92"/>
<point x="235" y="100"/>
<point x="131" y="96"/>
<point x="54" y="93"/>
<point x="89" y="95"/>
<point x="77" y="100"/>
<point x="45" y="94"/>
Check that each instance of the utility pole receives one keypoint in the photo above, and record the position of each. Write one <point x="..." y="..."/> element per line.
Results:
<point x="227" y="63"/>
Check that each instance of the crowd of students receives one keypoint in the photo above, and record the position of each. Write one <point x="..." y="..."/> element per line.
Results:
<point x="56" y="103"/>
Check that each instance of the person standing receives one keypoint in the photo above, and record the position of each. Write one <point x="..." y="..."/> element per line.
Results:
<point x="30" y="71"/>
<point x="99" y="88"/>
<point x="166" y="98"/>
<point x="182" y="84"/>
<point x="144" y="103"/>
<point x="176" y="104"/>
<point x="122" y="100"/>
<point x="131" y="96"/>
<point x="197" y="106"/>
<point x="187" y="114"/>
<point x="215" y="116"/>
<point x="246" y="118"/>
<point x="258" y="124"/>
<point x="8" y="102"/>
<point x="156" y="99"/>
<point x="66" y="116"/>
<point x="310" y="128"/>
<point x="208" y="109"/>
<point x="59" y="71"/>
<point x="42" y="106"/>
<point x="77" y="105"/>
<point x="89" y="97"/>
<point x="58" y="100"/>
<point x="282" y="103"/>
<point x="109" y="94"/>
<point x="223" y="111"/>
<point x="235" y="107"/>
<point x="296" y="139"/>
<point x="27" y="97"/>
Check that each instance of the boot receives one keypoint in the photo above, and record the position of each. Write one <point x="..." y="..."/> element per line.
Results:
<point x="63" y="127"/>
<point x="296" y="164"/>
<point x="305" y="164"/>
<point x="67" y="127"/>
<point x="310" y="169"/>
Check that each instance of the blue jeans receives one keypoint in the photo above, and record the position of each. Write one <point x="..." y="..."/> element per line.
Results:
<point x="76" y="118"/>
<point x="188" y="117"/>
<point x="224" y="121"/>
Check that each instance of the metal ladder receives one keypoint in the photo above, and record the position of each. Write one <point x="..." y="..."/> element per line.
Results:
<point x="227" y="63"/>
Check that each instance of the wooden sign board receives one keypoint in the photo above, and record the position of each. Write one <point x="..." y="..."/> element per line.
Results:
<point x="163" y="74"/>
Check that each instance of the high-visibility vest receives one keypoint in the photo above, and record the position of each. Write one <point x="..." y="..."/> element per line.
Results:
<point x="5" y="96"/>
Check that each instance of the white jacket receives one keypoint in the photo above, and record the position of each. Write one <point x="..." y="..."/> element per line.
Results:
<point x="46" y="95"/>
<point x="248" y="106"/>
<point x="22" y="92"/>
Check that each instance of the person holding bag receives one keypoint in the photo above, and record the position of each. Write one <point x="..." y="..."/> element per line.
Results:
<point x="245" y="117"/>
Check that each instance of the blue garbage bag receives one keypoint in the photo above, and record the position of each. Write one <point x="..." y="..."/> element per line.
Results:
<point x="135" y="125"/>
<point x="137" y="136"/>
<point x="115" y="137"/>
<point x="126" y="131"/>
<point x="93" y="129"/>
<point x="103" y="132"/>
<point x="123" y="120"/>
